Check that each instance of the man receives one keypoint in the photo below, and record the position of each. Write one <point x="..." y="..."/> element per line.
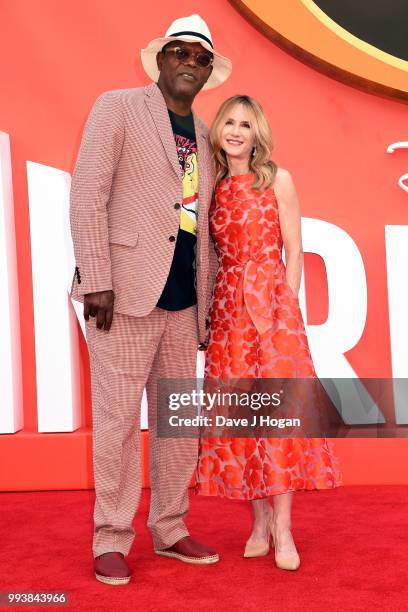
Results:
<point x="139" y="218"/>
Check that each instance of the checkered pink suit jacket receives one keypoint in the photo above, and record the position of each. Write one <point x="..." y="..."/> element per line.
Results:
<point x="126" y="183"/>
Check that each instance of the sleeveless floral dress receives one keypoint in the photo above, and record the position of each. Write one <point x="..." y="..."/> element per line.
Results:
<point x="256" y="331"/>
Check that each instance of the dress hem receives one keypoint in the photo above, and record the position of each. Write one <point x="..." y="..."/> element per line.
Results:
<point x="199" y="491"/>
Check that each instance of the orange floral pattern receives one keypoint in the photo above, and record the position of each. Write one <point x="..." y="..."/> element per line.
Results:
<point x="256" y="331"/>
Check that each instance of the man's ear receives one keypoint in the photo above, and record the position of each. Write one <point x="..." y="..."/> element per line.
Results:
<point x="159" y="60"/>
<point x="209" y="74"/>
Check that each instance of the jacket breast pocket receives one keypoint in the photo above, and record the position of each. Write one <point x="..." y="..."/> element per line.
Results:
<point x="123" y="235"/>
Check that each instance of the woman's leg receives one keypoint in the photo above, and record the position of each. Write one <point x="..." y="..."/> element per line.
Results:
<point x="258" y="543"/>
<point x="285" y="550"/>
<point x="262" y="513"/>
<point x="282" y="505"/>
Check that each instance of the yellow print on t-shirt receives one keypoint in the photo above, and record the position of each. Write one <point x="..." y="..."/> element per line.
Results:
<point x="188" y="217"/>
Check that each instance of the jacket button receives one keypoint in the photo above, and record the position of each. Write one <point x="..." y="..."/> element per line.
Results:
<point x="177" y="206"/>
<point x="172" y="238"/>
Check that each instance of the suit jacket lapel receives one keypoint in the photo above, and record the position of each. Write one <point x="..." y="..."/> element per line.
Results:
<point x="157" y="107"/>
<point x="203" y="177"/>
<point x="158" y="110"/>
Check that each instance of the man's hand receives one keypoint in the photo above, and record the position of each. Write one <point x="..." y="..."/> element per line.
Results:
<point x="204" y="345"/>
<point x="99" y="305"/>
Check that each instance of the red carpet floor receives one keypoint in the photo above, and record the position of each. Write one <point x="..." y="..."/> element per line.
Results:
<point x="353" y="544"/>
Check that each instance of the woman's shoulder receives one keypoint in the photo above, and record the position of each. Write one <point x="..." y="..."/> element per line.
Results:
<point x="284" y="187"/>
<point x="282" y="177"/>
<point x="283" y="184"/>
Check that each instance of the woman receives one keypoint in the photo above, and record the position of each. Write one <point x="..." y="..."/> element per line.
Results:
<point x="256" y="327"/>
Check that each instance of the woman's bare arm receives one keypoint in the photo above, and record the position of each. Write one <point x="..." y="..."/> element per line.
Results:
<point x="289" y="219"/>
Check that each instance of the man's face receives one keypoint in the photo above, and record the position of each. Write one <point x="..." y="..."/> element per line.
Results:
<point x="183" y="78"/>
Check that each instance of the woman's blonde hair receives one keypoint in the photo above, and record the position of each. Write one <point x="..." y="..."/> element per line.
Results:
<point x="260" y="162"/>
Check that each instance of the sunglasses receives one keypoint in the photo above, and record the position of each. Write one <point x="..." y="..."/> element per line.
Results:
<point x="182" y="54"/>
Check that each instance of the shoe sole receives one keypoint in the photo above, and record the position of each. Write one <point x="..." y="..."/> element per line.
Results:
<point x="253" y="555"/>
<point x="288" y="569"/>
<point x="113" y="581"/>
<point x="185" y="559"/>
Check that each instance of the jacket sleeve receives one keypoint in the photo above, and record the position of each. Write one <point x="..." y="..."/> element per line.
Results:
<point x="212" y="273"/>
<point x="97" y="161"/>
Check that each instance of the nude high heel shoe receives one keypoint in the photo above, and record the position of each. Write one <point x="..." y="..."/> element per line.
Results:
<point x="285" y="560"/>
<point x="257" y="548"/>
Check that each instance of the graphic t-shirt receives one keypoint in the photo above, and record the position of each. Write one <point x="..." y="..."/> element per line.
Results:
<point x="179" y="291"/>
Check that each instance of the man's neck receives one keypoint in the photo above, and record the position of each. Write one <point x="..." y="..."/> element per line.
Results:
<point x="177" y="105"/>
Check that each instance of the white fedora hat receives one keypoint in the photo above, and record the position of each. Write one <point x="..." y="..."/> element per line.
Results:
<point x="188" y="29"/>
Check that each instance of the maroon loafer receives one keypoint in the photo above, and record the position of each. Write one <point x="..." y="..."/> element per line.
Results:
<point x="190" y="551"/>
<point x="111" y="568"/>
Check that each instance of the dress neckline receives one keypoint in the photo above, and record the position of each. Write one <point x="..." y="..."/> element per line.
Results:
<point x="239" y="176"/>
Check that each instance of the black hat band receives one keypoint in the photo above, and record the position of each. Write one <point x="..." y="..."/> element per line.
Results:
<point x="187" y="33"/>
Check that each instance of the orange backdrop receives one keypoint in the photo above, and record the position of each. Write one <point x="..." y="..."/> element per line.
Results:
<point x="56" y="57"/>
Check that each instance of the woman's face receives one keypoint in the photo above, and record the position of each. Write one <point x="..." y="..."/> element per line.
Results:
<point x="237" y="133"/>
